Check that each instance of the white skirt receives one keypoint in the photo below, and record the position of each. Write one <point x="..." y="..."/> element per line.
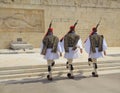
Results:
<point x="96" y="55"/>
<point x="50" y="55"/>
<point x="72" y="54"/>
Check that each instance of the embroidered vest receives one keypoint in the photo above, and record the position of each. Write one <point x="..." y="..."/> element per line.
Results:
<point x="96" y="41"/>
<point x="70" y="40"/>
<point x="50" y="41"/>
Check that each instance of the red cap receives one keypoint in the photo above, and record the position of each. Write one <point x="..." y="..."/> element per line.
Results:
<point x="93" y="30"/>
<point x="50" y="29"/>
<point x="72" y="27"/>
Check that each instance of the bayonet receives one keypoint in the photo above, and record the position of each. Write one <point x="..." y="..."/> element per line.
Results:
<point x="75" y="23"/>
<point x="50" y="24"/>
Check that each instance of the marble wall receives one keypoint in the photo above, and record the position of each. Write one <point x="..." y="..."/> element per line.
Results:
<point x="30" y="19"/>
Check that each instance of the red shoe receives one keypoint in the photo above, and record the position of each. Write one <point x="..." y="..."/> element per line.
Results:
<point x="69" y="76"/>
<point x="94" y="75"/>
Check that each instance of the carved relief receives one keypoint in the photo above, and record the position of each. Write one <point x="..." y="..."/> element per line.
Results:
<point x="5" y="1"/>
<point x="21" y="19"/>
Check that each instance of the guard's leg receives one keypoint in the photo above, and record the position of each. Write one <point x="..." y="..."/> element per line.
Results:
<point x="49" y="76"/>
<point x="67" y="65"/>
<point x="70" y="66"/>
<point x="89" y="61"/>
<point x="94" y="73"/>
<point x="53" y="63"/>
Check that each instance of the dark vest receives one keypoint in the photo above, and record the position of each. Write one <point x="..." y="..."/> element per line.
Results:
<point x="70" y="40"/>
<point x="50" y="41"/>
<point x="96" y="41"/>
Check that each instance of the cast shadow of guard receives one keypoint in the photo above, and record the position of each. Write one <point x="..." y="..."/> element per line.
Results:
<point x="43" y="79"/>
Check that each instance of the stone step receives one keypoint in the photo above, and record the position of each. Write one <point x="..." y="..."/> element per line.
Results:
<point x="56" y="65"/>
<point x="43" y="74"/>
<point x="55" y="68"/>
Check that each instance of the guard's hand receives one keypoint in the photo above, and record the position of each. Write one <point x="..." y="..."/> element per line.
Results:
<point x="81" y="51"/>
<point x="105" y="53"/>
<point x="74" y="48"/>
<point x="60" y="54"/>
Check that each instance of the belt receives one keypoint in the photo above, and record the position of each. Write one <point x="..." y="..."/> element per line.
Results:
<point x="70" y="45"/>
<point x="49" y="46"/>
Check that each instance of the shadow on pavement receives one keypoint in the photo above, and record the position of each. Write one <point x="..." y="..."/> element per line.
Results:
<point x="44" y="80"/>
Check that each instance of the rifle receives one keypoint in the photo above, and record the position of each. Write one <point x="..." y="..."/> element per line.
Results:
<point x="49" y="27"/>
<point x="95" y="27"/>
<point x="69" y="31"/>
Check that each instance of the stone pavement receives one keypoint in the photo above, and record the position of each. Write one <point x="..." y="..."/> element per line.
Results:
<point x="20" y="65"/>
<point x="103" y="84"/>
<point x="12" y="58"/>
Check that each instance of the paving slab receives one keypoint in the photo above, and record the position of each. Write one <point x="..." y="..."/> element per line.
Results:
<point x="12" y="58"/>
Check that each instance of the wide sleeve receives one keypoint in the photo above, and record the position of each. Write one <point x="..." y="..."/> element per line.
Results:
<point x="87" y="46"/>
<point x="41" y="47"/>
<point x="59" y="47"/>
<point x="79" y="44"/>
<point x="62" y="45"/>
<point x="104" y="44"/>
